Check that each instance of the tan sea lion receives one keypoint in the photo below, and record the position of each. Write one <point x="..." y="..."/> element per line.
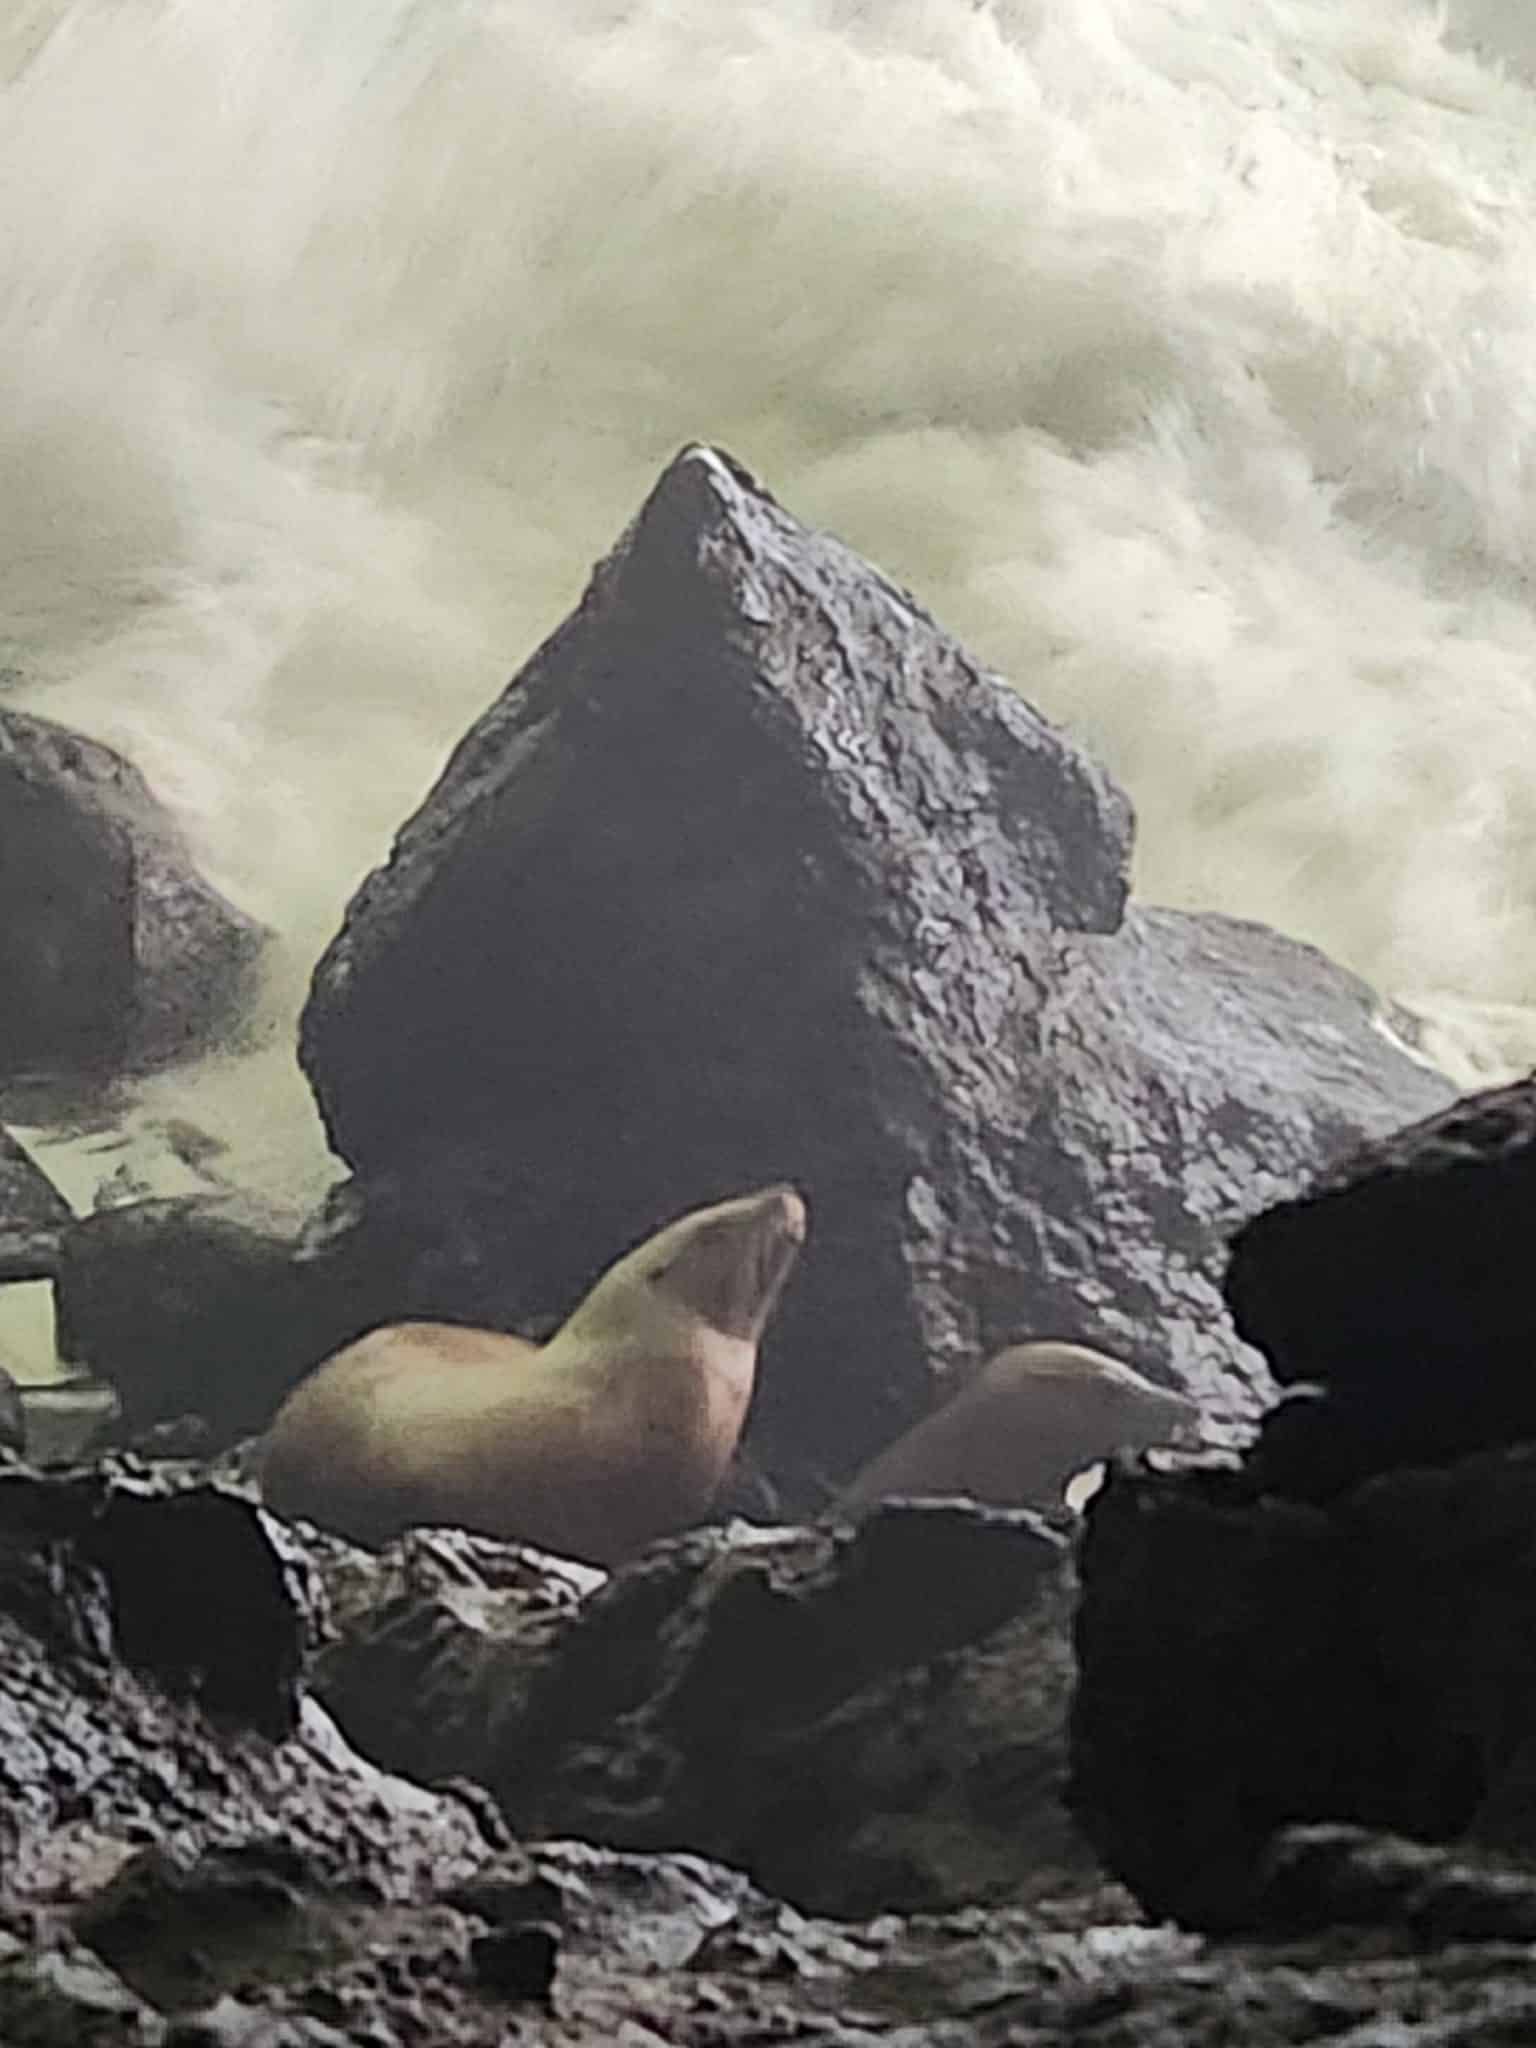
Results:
<point x="615" y="1432"/>
<point x="1016" y="1433"/>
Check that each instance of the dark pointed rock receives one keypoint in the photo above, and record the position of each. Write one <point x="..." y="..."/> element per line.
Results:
<point x="1397" y="1282"/>
<point x="1249" y="1662"/>
<point x="753" y="873"/>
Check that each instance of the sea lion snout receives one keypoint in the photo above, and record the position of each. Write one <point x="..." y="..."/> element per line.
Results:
<point x="793" y="1215"/>
<point x="735" y="1258"/>
<point x="785" y="1220"/>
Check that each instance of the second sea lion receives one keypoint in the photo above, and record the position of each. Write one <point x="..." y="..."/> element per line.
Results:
<point x="615" y="1432"/>
<point x="1015" y="1434"/>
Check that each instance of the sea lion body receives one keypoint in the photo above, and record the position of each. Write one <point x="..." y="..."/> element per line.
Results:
<point x="617" y="1431"/>
<point x="1017" y="1432"/>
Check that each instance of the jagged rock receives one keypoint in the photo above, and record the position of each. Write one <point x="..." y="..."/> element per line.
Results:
<point x="171" y="1876"/>
<point x="190" y="1854"/>
<point x="64" y="1418"/>
<point x="754" y="874"/>
<point x="32" y="1213"/>
<point x="863" y="1721"/>
<point x="1391" y="1283"/>
<point x="152" y="1633"/>
<point x="1319" y="1877"/>
<point x="123" y="956"/>
<point x="13" y="1419"/>
<point x="424" y="1632"/>
<point x="1249" y="1661"/>
<point x="1216" y="1696"/>
<point x="207" y="1306"/>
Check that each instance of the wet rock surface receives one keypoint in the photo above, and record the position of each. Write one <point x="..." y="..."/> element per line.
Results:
<point x="751" y="874"/>
<point x="1249" y="1661"/>
<point x="1333" y="1876"/>
<point x="32" y="1213"/>
<point x="200" y="1305"/>
<point x="433" y="1637"/>
<point x="1219" y="1696"/>
<point x="115" y="954"/>
<point x="831" y="903"/>
<point x="861" y="1719"/>
<point x="190" y="1853"/>
<point x="1393" y="1284"/>
<point x="13" y="1419"/>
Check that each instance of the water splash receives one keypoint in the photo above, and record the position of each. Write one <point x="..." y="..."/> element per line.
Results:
<point x="1176" y="352"/>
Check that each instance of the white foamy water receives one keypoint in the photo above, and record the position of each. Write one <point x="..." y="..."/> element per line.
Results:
<point x="1178" y="353"/>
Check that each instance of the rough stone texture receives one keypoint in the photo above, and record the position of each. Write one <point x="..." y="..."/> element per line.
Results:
<point x="64" y="1418"/>
<point x="13" y="1420"/>
<point x="753" y="874"/>
<point x="862" y="1720"/>
<point x="190" y="1857"/>
<point x="426" y="1634"/>
<point x="1218" y="1695"/>
<point x="114" y="952"/>
<point x="1396" y="1282"/>
<point x="152" y="1635"/>
<point x="202" y="1305"/>
<point x="1320" y="1877"/>
<point x="32" y="1213"/>
<point x="1248" y="1661"/>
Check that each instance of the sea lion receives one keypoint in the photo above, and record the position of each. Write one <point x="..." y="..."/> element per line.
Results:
<point x="1017" y="1432"/>
<point x="615" y="1432"/>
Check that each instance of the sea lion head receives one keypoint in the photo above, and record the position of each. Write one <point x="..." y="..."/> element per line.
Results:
<point x="724" y="1266"/>
<point x="1110" y="1404"/>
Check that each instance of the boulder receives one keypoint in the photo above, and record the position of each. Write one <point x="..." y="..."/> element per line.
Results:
<point x="1331" y="1876"/>
<point x="62" y="1419"/>
<point x="1395" y="1284"/>
<point x="1249" y="1662"/>
<point x="428" y="1633"/>
<point x="1219" y="1693"/>
<point x="32" y="1215"/>
<point x="194" y="1305"/>
<point x="862" y="1720"/>
<point x="115" y="954"/>
<point x="191" y="1854"/>
<point x="13" y="1419"/>
<point x="753" y="873"/>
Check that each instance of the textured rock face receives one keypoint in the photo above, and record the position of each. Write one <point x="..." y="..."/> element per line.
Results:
<point x="1219" y="1695"/>
<point x="1249" y="1661"/>
<point x="1397" y="1283"/>
<point x="114" y="952"/>
<point x="1339" y="1630"/>
<point x="754" y="874"/>
<point x="205" y="1306"/>
<point x="863" y="1721"/>
<point x="190" y="1854"/>
<point x="32" y="1214"/>
<point x="13" y="1418"/>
